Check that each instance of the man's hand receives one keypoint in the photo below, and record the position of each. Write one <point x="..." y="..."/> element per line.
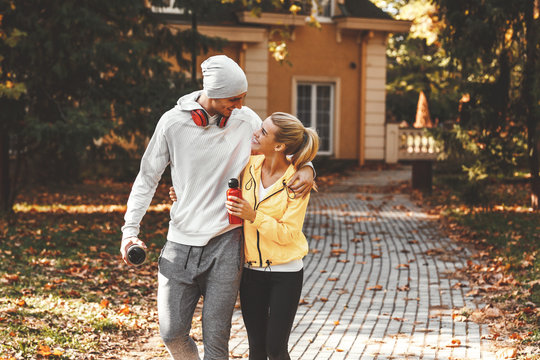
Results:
<point x="172" y="194"/>
<point x="126" y="243"/>
<point x="302" y="181"/>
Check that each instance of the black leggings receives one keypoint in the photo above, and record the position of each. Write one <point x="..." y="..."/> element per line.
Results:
<point x="269" y="303"/>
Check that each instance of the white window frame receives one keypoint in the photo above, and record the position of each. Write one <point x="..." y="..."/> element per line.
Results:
<point x="322" y="18"/>
<point x="334" y="108"/>
<point x="167" y="9"/>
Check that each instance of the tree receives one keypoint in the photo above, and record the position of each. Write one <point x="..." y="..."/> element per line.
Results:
<point x="417" y="63"/>
<point x="71" y="72"/>
<point x="494" y="46"/>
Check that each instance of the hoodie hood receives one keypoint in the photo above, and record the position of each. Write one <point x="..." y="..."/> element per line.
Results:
<point x="189" y="102"/>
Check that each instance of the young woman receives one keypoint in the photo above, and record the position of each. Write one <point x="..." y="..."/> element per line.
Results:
<point x="274" y="243"/>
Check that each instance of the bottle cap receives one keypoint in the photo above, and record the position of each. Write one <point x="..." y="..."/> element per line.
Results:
<point x="233" y="183"/>
<point x="136" y="255"/>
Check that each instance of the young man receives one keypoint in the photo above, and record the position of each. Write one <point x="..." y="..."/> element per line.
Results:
<point x="206" y="140"/>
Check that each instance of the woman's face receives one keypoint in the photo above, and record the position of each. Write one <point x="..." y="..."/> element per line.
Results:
<point x="263" y="140"/>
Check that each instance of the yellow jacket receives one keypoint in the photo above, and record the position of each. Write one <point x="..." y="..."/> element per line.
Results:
<point x="275" y="236"/>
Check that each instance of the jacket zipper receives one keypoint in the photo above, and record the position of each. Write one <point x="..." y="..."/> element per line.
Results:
<point x="255" y="207"/>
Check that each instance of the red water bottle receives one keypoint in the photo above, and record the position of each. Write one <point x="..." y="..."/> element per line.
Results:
<point x="234" y="191"/>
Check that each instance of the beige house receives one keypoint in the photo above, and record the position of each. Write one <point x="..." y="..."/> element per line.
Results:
<point x="337" y="74"/>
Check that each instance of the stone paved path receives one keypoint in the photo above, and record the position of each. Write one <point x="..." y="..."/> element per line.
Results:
<point x="378" y="280"/>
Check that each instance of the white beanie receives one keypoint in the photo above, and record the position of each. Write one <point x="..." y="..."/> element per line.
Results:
<point x="223" y="78"/>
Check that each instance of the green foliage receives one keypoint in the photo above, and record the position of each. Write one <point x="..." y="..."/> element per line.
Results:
<point x="480" y="153"/>
<point x="487" y="43"/>
<point x="417" y="62"/>
<point x="415" y="66"/>
<point x="83" y="70"/>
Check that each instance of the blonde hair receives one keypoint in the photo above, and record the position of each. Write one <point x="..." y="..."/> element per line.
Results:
<point x="300" y="142"/>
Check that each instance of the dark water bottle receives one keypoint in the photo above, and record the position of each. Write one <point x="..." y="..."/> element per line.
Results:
<point x="233" y="190"/>
<point x="136" y="255"/>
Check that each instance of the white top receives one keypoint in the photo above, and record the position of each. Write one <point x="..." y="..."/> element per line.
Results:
<point x="291" y="266"/>
<point x="202" y="161"/>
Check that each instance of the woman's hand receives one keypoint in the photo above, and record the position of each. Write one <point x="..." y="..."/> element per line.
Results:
<point x="302" y="181"/>
<point x="240" y="208"/>
<point x="172" y="194"/>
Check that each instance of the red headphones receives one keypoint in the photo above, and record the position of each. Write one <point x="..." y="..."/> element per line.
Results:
<point x="200" y="118"/>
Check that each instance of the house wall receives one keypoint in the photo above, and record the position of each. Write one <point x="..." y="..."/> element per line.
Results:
<point x="318" y="53"/>
<point x="375" y="110"/>
<point x="256" y="68"/>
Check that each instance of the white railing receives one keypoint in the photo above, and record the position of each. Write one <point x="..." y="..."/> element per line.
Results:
<point x="409" y="144"/>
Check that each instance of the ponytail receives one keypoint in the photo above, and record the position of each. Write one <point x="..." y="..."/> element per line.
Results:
<point x="300" y="142"/>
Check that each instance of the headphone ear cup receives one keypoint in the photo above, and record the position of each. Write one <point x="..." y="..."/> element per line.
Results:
<point x="223" y="121"/>
<point x="199" y="117"/>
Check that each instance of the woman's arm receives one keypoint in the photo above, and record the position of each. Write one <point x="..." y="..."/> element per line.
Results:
<point x="284" y="230"/>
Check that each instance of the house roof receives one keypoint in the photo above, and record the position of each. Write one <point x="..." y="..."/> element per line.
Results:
<point x="362" y="9"/>
<point x="232" y="14"/>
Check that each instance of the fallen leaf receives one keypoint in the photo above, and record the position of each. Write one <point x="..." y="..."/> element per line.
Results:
<point x="454" y="343"/>
<point x="124" y="310"/>
<point x="337" y="251"/>
<point x="506" y="353"/>
<point x="11" y="277"/>
<point x="404" y="288"/>
<point x="492" y="312"/>
<point x="44" y="350"/>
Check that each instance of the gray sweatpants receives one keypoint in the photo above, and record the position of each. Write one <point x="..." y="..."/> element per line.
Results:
<point x="186" y="273"/>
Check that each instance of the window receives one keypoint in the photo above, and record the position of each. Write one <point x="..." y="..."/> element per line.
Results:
<point x="167" y="8"/>
<point x="315" y="108"/>
<point x="323" y="9"/>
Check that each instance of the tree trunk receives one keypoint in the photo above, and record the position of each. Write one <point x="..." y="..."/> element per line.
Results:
<point x="5" y="196"/>
<point x="528" y="96"/>
<point x="194" y="47"/>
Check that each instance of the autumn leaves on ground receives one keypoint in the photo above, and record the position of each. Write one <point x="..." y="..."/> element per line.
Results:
<point x="66" y="294"/>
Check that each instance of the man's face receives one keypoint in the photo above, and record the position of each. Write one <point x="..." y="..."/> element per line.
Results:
<point x="226" y="106"/>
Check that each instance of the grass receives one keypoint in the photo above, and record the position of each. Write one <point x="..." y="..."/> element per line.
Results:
<point x="497" y="220"/>
<point x="64" y="291"/>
